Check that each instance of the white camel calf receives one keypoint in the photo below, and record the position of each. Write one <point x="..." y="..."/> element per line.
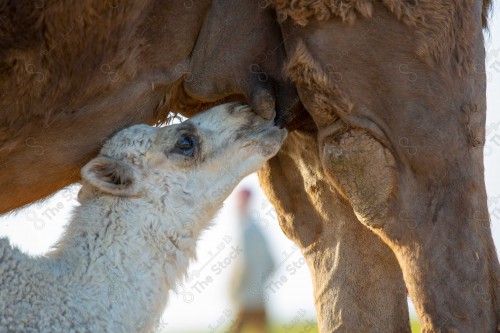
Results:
<point x="144" y="201"/>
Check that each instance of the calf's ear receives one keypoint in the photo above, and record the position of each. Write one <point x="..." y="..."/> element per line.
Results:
<point x="112" y="176"/>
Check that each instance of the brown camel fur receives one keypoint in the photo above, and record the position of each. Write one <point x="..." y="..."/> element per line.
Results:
<point x="400" y="135"/>
<point x="399" y="120"/>
<point x="71" y="74"/>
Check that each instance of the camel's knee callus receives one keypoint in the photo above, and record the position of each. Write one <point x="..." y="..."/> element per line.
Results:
<point x="364" y="171"/>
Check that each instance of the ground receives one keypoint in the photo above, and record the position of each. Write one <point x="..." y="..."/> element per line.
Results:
<point x="306" y="327"/>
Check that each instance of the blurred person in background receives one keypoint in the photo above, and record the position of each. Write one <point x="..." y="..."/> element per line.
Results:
<point x="253" y="268"/>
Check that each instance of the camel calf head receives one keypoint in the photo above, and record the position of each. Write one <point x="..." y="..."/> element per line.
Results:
<point x="144" y="202"/>
<point x="193" y="164"/>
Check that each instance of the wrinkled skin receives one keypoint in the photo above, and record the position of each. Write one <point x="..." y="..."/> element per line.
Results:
<point x="245" y="61"/>
<point x="398" y="165"/>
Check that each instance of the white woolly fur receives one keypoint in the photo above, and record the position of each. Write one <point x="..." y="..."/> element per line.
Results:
<point x="143" y="205"/>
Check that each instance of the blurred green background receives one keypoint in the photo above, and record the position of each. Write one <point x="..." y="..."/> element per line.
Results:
<point x="306" y="327"/>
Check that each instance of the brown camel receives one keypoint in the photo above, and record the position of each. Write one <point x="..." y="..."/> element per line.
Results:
<point x="73" y="73"/>
<point x="398" y="99"/>
<point x="395" y="91"/>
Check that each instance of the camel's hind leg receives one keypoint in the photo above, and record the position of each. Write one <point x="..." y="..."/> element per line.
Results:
<point x="358" y="284"/>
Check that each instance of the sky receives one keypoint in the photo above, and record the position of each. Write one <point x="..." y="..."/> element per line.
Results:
<point x="203" y="301"/>
<point x="492" y="143"/>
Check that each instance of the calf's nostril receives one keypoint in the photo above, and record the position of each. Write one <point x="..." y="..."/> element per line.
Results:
<point x="234" y="106"/>
<point x="243" y="108"/>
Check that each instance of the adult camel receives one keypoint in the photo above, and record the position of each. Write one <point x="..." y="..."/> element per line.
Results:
<point x="395" y="97"/>
<point x="398" y="101"/>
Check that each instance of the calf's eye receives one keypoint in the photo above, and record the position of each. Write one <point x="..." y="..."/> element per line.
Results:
<point x="185" y="146"/>
<point x="185" y="143"/>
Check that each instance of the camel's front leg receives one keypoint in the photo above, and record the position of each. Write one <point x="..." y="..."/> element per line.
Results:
<point x="438" y="229"/>
<point x="357" y="283"/>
